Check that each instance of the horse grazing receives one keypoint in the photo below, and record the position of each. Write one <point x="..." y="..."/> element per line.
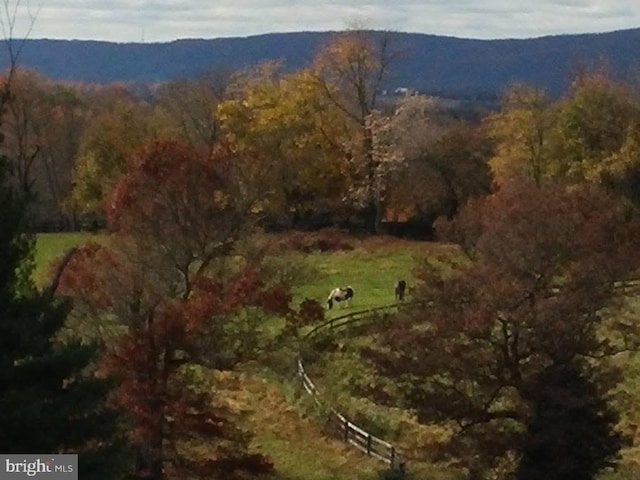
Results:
<point x="340" y="294"/>
<point x="401" y="287"/>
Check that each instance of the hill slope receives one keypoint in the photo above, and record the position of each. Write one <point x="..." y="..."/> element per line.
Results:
<point x="428" y="62"/>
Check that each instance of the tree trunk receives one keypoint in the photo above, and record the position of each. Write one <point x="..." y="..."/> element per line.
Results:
<point x="370" y="218"/>
<point x="379" y="213"/>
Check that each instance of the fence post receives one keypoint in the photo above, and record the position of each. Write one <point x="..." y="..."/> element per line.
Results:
<point x="393" y="456"/>
<point x="369" y="444"/>
<point x="346" y="430"/>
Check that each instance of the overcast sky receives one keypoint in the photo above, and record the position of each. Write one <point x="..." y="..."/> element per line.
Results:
<point x="165" y="20"/>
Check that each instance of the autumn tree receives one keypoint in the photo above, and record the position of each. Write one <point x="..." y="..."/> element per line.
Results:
<point x="445" y="161"/>
<point x="459" y="160"/>
<point x="42" y="125"/>
<point x="20" y="137"/>
<point x="297" y="134"/>
<point x="179" y="424"/>
<point x="177" y="295"/>
<point x="533" y="299"/>
<point x="59" y="121"/>
<point x="570" y="433"/>
<point x="523" y="130"/>
<point x="112" y="134"/>
<point x="599" y="125"/>
<point x="61" y="118"/>
<point x="589" y="136"/>
<point x="595" y="120"/>
<point x="180" y="197"/>
<point x="192" y="105"/>
<point x="62" y="135"/>
<point x="351" y="69"/>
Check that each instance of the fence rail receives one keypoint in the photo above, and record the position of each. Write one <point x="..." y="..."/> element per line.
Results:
<point x="350" y="432"/>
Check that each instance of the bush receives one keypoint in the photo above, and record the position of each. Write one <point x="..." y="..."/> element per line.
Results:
<point x="325" y="240"/>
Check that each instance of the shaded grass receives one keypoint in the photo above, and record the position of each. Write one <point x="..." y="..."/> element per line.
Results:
<point x="295" y="443"/>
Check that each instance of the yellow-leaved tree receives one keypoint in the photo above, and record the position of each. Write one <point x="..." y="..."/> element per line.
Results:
<point x="599" y="129"/>
<point x="592" y="135"/>
<point x="523" y="131"/>
<point x="110" y="137"/>
<point x="350" y="70"/>
<point x="293" y="137"/>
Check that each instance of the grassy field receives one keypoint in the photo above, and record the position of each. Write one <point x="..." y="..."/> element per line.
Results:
<point x="285" y="429"/>
<point x="279" y="414"/>
<point x="372" y="267"/>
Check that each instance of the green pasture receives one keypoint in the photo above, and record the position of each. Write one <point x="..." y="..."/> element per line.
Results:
<point x="51" y="246"/>
<point x="282" y="417"/>
<point x="285" y="429"/>
<point x="371" y="268"/>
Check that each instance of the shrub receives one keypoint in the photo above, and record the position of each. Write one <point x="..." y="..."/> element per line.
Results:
<point x="325" y="240"/>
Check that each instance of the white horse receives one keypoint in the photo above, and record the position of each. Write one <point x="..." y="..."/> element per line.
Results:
<point x="340" y="294"/>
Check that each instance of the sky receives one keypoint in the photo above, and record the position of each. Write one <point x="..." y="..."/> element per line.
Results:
<point x="166" y="20"/>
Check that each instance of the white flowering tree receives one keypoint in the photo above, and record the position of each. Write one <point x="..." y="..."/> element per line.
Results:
<point x="373" y="173"/>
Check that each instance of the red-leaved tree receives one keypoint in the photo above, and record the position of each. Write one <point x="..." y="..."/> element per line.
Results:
<point x="535" y="302"/>
<point x="171" y="309"/>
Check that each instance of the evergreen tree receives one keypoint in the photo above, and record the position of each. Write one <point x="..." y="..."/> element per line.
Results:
<point x="49" y="400"/>
<point x="571" y="433"/>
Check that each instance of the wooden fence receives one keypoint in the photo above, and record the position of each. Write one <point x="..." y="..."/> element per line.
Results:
<point x="348" y="431"/>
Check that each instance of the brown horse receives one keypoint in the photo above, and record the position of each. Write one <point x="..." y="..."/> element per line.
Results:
<point x="401" y="288"/>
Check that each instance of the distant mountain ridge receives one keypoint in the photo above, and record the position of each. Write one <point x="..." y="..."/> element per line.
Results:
<point x="429" y="63"/>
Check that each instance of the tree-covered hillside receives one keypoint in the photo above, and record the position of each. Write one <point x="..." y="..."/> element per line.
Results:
<point x="428" y="63"/>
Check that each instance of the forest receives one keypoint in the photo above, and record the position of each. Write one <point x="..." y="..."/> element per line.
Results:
<point x="212" y="216"/>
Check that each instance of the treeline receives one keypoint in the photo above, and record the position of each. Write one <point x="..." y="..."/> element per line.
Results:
<point x="316" y="147"/>
<point x="428" y="63"/>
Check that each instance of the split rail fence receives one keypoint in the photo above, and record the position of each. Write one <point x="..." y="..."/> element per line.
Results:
<point x="350" y="432"/>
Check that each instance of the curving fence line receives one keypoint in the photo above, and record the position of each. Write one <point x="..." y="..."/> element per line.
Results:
<point x="350" y="432"/>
